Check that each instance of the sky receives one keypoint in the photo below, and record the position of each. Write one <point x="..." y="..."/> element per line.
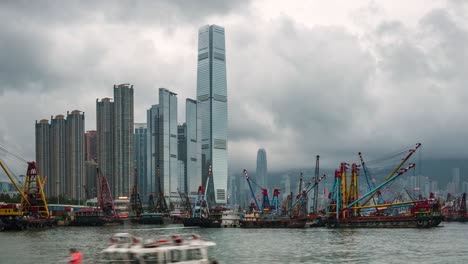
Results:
<point x="305" y="78"/>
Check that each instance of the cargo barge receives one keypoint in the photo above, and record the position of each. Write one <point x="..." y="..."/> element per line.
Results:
<point x="271" y="220"/>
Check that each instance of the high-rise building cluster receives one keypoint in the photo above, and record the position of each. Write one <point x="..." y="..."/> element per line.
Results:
<point x="60" y="154"/>
<point x="115" y="139"/>
<point x="160" y="155"/>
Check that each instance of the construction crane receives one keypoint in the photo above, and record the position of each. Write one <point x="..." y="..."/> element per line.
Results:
<point x="135" y="201"/>
<point x="105" y="200"/>
<point x="161" y="205"/>
<point x="185" y="201"/>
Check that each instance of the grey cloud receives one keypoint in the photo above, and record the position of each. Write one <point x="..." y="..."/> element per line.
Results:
<point x="21" y="62"/>
<point x="309" y="81"/>
<point x="296" y="90"/>
<point x="106" y="11"/>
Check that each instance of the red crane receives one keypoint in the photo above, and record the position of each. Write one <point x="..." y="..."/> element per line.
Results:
<point x="105" y="200"/>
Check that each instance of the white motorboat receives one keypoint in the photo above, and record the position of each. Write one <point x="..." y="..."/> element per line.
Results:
<point x="128" y="249"/>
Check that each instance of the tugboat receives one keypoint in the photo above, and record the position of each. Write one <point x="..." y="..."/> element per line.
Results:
<point x="455" y="211"/>
<point x="128" y="249"/>
<point x="349" y="209"/>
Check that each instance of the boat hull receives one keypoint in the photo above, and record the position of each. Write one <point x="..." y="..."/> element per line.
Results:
<point x="148" y="219"/>
<point x="385" y="222"/>
<point x="201" y="222"/>
<point x="274" y="223"/>
<point x="26" y="223"/>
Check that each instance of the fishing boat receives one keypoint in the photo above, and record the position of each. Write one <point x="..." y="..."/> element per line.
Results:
<point x="349" y="209"/>
<point x="128" y="249"/>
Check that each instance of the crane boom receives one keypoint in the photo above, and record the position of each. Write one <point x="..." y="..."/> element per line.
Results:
<point x="251" y="190"/>
<point x="373" y="191"/>
<point x="316" y="177"/>
<point x="411" y="152"/>
<point x="307" y="192"/>
<point x="13" y="181"/>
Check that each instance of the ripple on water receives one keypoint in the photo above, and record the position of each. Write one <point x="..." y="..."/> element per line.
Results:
<point x="311" y="245"/>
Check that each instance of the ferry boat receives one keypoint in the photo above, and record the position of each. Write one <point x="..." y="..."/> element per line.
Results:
<point x="230" y="218"/>
<point x="128" y="249"/>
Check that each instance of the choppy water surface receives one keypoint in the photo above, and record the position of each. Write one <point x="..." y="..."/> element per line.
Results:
<point x="445" y="244"/>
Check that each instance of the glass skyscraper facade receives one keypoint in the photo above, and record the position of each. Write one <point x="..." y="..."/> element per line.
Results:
<point x="212" y="100"/>
<point x="152" y="139"/>
<point x="193" y="168"/>
<point x="168" y="149"/>
<point x="141" y="159"/>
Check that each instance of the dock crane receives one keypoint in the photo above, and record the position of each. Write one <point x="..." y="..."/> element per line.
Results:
<point x="251" y="190"/>
<point x="135" y="201"/>
<point x="33" y="210"/>
<point x="161" y="205"/>
<point x="305" y="193"/>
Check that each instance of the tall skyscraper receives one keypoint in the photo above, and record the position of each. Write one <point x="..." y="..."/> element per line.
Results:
<point x="105" y="139"/>
<point x="91" y="145"/>
<point x="152" y="140"/>
<point x="74" y="145"/>
<point x="168" y="149"/>
<point x="193" y="160"/>
<point x="141" y="159"/>
<point x="43" y="154"/>
<point x="182" y="145"/>
<point x="261" y="175"/>
<point x="212" y="99"/>
<point x="57" y="156"/>
<point x="124" y="141"/>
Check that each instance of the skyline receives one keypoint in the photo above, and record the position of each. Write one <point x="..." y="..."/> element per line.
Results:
<point x="406" y="88"/>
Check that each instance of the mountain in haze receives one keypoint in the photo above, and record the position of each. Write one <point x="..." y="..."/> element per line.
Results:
<point x="440" y="170"/>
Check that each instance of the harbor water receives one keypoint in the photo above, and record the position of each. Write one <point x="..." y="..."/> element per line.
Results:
<point x="445" y="244"/>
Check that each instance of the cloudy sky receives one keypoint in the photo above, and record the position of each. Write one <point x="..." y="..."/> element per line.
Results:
<point x="304" y="77"/>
